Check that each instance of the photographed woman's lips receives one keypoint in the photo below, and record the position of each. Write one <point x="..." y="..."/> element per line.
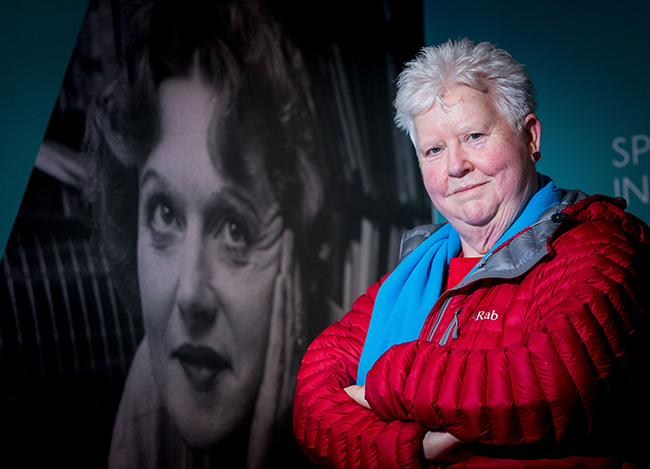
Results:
<point x="201" y="364"/>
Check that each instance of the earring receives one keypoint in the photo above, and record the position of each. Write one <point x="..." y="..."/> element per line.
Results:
<point x="536" y="156"/>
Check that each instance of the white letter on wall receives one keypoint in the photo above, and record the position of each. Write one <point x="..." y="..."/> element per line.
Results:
<point x="617" y="148"/>
<point x="636" y="150"/>
<point x="644" y="195"/>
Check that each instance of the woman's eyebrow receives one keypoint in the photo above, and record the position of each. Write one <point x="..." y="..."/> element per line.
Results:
<point x="470" y="126"/>
<point x="228" y="198"/>
<point x="150" y="174"/>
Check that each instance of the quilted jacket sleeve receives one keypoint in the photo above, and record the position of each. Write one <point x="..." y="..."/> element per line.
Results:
<point x="330" y="427"/>
<point x="575" y="373"/>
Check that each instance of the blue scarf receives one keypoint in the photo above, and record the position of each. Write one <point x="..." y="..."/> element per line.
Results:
<point x="410" y="291"/>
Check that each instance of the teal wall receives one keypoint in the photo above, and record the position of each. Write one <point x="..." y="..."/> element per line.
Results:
<point x="36" y="41"/>
<point x="590" y="64"/>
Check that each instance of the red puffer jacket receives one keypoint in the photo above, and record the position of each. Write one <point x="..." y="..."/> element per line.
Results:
<point x="534" y="358"/>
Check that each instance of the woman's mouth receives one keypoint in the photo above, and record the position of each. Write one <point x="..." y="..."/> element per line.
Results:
<point x="201" y="364"/>
<point x="467" y="188"/>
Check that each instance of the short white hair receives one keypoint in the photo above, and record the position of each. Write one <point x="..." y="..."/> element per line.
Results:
<point x="484" y="67"/>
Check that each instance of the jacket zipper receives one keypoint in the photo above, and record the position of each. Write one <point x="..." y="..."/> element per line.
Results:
<point x="439" y="318"/>
<point x="452" y="329"/>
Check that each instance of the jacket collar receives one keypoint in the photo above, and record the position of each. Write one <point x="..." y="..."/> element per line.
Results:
<point x="515" y="256"/>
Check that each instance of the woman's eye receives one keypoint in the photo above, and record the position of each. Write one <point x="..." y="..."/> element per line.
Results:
<point x="235" y="232"/>
<point x="162" y="222"/>
<point x="434" y="151"/>
<point x="235" y="235"/>
<point x="162" y="217"/>
<point x="475" y="136"/>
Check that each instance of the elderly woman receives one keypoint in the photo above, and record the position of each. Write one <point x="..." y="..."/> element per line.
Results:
<point x="206" y="190"/>
<point x="507" y="337"/>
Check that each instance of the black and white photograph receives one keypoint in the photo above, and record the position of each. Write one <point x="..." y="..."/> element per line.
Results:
<point x="218" y="182"/>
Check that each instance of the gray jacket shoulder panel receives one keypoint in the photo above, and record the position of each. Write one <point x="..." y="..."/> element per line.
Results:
<point x="414" y="237"/>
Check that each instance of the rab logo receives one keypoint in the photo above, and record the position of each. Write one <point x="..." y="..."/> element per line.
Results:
<point x="486" y="315"/>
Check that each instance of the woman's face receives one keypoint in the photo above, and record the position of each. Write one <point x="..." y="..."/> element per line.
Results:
<point x="477" y="171"/>
<point x="208" y="255"/>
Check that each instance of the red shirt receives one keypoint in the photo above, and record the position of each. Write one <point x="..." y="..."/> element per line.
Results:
<point x="459" y="267"/>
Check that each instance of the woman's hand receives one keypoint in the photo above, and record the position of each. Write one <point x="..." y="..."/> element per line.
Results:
<point x="283" y="354"/>
<point x="438" y="446"/>
<point x="444" y="447"/>
<point x="358" y="393"/>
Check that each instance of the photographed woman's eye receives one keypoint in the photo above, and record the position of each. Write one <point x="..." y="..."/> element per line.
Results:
<point x="162" y="217"/>
<point x="234" y="234"/>
<point x="162" y="221"/>
<point x="475" y="136"/>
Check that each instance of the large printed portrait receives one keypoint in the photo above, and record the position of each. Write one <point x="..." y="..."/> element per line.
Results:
<point x="218" y="181"/>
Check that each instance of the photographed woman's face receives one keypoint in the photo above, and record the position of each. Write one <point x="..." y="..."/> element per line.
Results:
<point x="208" y="255"/>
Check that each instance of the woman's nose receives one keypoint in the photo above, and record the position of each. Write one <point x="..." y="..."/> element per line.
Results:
<point x="195" y="296"/>
<point x="458" y="162"/>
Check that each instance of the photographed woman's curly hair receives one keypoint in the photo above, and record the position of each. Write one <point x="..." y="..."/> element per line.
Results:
<point x="239" y="50"/>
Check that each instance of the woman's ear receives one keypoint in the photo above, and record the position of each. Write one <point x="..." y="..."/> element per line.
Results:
<point x="533" y="135"/>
